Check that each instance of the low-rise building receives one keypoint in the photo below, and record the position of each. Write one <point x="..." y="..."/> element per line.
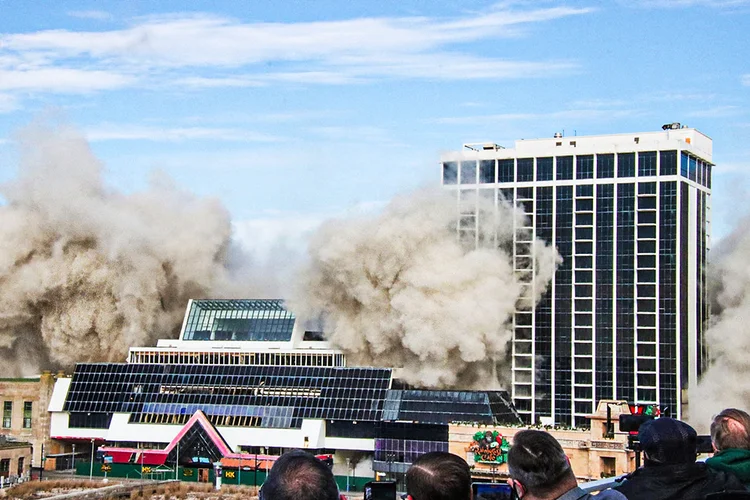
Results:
<point x="24" y="412"/>
<point x="15" y="460"/>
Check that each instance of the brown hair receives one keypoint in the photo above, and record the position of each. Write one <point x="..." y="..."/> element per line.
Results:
<point x="730" y="430"/>
<point x="439" y="475"/>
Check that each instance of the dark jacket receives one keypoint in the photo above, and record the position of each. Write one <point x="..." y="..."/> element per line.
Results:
<point x="692" y="481"/>
<point x="732" y="460"/>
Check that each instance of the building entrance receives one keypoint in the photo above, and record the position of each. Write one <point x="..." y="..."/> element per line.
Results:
<point x="202" y="475"/>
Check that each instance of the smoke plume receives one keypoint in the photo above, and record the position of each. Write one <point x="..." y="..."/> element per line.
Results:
<point x="86" y="272"/>
<point x="400" y="289"/>
<point x="726" y="383"/>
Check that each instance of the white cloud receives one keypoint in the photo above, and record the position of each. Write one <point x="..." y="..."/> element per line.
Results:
<point x="96" y="15"/>
<point x="160" y="134"/>
<point x="62" y="80"/>
<point x="745" y="79"/>
<point x="164" y="48"/>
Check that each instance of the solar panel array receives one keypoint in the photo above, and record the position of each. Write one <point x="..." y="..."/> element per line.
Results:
<point x="275" y="396"/>
<point x="444" y="407"/>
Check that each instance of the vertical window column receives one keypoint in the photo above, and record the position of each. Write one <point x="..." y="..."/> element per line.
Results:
<point x="646" y="319"/>
<point x="668" y="387"/>
<point x="604" y="290"/>
<point x="543" y="312"/>
<point x="523" y="320"/>
<point x="563" y="306"/>
<point x="583" y="281"/>
<point x="625" y="286"/>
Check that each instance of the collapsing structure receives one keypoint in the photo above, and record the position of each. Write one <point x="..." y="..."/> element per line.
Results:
<point x="625" y="315"/>
<point x="245" y="382"/>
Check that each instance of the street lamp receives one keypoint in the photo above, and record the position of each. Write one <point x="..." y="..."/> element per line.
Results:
<point x="73" y="461"/>
<point x="239" y="470"/>
<point x="348" y="466"/>
<point x="177" y="463"/>
<point x="91" y="468"/>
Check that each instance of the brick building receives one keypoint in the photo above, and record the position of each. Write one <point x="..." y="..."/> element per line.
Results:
<point x="25" y="418"/>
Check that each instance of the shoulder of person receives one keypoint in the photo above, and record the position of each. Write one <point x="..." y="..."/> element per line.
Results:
<point x="610" y="495"/>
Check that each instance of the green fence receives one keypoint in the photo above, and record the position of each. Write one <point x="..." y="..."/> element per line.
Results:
<point x="230" y="476"/>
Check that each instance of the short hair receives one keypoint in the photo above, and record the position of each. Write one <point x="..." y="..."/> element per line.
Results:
<point x="298" y="475"/>
<point x="538" y="462"/>
<point x="439" y="475"/>
<point x="730" y="429"/>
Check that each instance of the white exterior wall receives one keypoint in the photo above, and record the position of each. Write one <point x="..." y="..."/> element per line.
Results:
<point x="120" y="430"/>
<point x="57" y="401"/>
<point x="699" y="144"/>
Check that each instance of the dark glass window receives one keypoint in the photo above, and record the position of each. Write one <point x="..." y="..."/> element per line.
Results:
<point x="564" y="168"/>
<point x="625" y="164"/>
<point x="684" y="164"/>
<point x="487" y="171"/>
<point x="585" y="190"/>
<point x="506" y="170"/>
<point x="605" y="166"/>
<point x="468" y="172"/>
<point x="645" y="202"/>
<point x="544" y="169"/>
<point x="506" y="194"/>
<point x="450" y="172"/>
<point x="525" y="169"/>
<point x="27" y="414"/>
<point x="7" y="414"/>
<point x="585" y="167"/>
<point x="647" y="163"/>
<point x="646" y="188"/>
<point x="692" y="166"/>
<point x="668" y="163"/>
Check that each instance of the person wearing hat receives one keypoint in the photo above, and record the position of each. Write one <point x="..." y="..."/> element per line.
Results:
<point x="669" y="470"/>
<point x="540" y="470"/>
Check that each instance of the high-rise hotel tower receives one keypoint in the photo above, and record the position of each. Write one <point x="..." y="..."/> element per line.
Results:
<point x="625" y="314"/>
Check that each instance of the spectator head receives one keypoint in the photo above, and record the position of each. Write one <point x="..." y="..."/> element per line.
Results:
<point x="439" y="476"/>
<point x="298" y="475"/>
<point x="538" y="465"/>
<point x="730" y="430"/>
<point x="666" y="441"/>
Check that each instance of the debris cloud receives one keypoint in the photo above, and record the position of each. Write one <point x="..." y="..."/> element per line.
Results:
<point x="87" y="272"/>
<point x="726" y="382"/>
<point x="401" y="289"/>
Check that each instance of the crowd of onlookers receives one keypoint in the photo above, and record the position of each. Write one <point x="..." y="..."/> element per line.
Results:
<point x="540" y="470"/>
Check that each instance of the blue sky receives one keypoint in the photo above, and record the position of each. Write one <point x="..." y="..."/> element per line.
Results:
<point x="292" y="112"/>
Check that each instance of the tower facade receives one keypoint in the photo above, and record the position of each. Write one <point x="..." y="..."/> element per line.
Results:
<point x="625" y="313"/>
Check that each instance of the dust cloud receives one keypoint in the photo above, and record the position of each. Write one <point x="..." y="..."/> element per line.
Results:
<point x="87" y="272"/>
<point x="726" y="382"/>
<point x="401" y="289"/>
